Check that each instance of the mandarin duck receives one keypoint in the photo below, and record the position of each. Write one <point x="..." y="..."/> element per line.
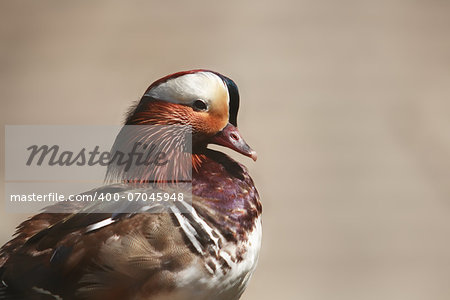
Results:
<point x="209" y="252"/>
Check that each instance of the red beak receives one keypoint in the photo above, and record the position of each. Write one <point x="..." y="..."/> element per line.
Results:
<point x="231" y="138"/>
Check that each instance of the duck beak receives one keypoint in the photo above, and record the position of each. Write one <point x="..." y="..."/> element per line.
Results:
<point x="231" y="138"/>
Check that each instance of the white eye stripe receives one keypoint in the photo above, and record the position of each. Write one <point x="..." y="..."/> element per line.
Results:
<point x="188" y="88"/>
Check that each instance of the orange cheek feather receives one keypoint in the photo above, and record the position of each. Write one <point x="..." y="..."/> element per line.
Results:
<point x="215" y="119"/>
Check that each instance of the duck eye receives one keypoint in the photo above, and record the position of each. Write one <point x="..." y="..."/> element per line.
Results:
<point x="199" y="105"/>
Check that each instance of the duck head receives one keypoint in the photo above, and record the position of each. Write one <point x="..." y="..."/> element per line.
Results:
<point x="206" y="101"/>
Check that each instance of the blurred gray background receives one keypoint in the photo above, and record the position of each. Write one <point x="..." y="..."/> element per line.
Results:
<point x="346" y="102"/>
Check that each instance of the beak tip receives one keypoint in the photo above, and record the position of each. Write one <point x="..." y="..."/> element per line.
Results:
<point x="254" y="155"/>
